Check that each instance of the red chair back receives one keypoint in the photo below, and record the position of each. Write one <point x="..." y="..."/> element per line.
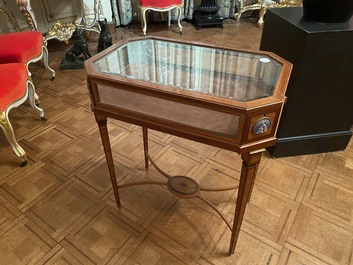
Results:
<point x="160" y="3"/>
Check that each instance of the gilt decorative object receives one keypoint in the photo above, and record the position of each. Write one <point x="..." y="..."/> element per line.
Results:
<point x="61" y="31"/>
<point x="263" y="5"/>
<point x="61" y="27"/>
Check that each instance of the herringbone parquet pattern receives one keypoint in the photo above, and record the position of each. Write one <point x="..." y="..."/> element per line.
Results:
<point x="60" y="208"/>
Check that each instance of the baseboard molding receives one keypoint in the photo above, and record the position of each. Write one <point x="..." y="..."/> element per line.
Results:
<point x="310" y="144"/>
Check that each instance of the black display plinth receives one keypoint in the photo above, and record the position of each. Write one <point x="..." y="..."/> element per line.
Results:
<point x="206" y="14"/>
<point x="329" y="11"/>
<point x="207" y="20"/>
<point x="318" y="115"/>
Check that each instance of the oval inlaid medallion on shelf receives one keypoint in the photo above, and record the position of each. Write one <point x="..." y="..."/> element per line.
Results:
<point x="182" y="186"/>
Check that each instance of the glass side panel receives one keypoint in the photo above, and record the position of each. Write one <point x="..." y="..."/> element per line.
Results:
<point x="237" y="75"/>
<point x="182" y="113"/>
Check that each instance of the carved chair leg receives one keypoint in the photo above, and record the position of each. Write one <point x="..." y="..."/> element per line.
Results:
<point x="263" y="10"/>
<point x="36" y="97"/>
<point x="46" y="61"/>
<point x="10" y="136"/>
<point x="179" y="19"/>
<point x="144" y="23"/>
<point x="32" y="100"/>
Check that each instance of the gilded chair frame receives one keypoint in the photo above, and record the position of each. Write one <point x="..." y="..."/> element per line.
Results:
<point x="5" y="123"/>
<point x="263" y="5"/>
<point x="45" y="56"/>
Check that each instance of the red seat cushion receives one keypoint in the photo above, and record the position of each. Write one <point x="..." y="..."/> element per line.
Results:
<point x="20" y="46"/>
<point x="159" y="3"/>
<point x="13" y="78"/>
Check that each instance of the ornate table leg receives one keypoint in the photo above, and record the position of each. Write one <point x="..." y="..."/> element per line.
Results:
<point x="248" y="173"/>
<point x="103" y="130"/>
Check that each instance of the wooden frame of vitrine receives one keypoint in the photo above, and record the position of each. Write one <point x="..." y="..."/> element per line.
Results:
<point x="245" y="143"/>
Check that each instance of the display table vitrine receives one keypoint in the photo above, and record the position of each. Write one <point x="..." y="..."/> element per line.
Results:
<point x="221" y="97"/>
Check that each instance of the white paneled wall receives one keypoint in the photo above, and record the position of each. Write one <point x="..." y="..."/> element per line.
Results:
<point x="46" y="12"/>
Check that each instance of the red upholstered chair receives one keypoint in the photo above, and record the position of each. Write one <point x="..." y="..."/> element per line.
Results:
<point x="24" y="47"/>
<point x="15" y="87"/>
<point x="160" y="6"/>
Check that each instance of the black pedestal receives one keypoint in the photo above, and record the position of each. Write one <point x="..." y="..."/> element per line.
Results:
<point x="328" y="11"/>
<point x="206" y="14"/>
<point x="204" y="19"/>
<point x="318" y="115"/>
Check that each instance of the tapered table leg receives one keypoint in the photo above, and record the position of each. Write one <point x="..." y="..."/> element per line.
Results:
<point x="103" y="130"/>
<point x="248" y="173"/>
<point x="145" y="145"/>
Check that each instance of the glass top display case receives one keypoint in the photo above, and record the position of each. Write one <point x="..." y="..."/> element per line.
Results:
<point x="218" y="96"/>
<point x="233" y="97"/>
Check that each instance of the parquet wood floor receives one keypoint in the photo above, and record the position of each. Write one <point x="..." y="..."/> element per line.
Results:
<point x="60" y="208"/>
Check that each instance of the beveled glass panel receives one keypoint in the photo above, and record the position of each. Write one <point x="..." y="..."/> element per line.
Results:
<point x="224" y="73"/>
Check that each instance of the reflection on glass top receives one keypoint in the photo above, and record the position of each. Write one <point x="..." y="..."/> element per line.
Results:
<point x="237" y="75"/>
